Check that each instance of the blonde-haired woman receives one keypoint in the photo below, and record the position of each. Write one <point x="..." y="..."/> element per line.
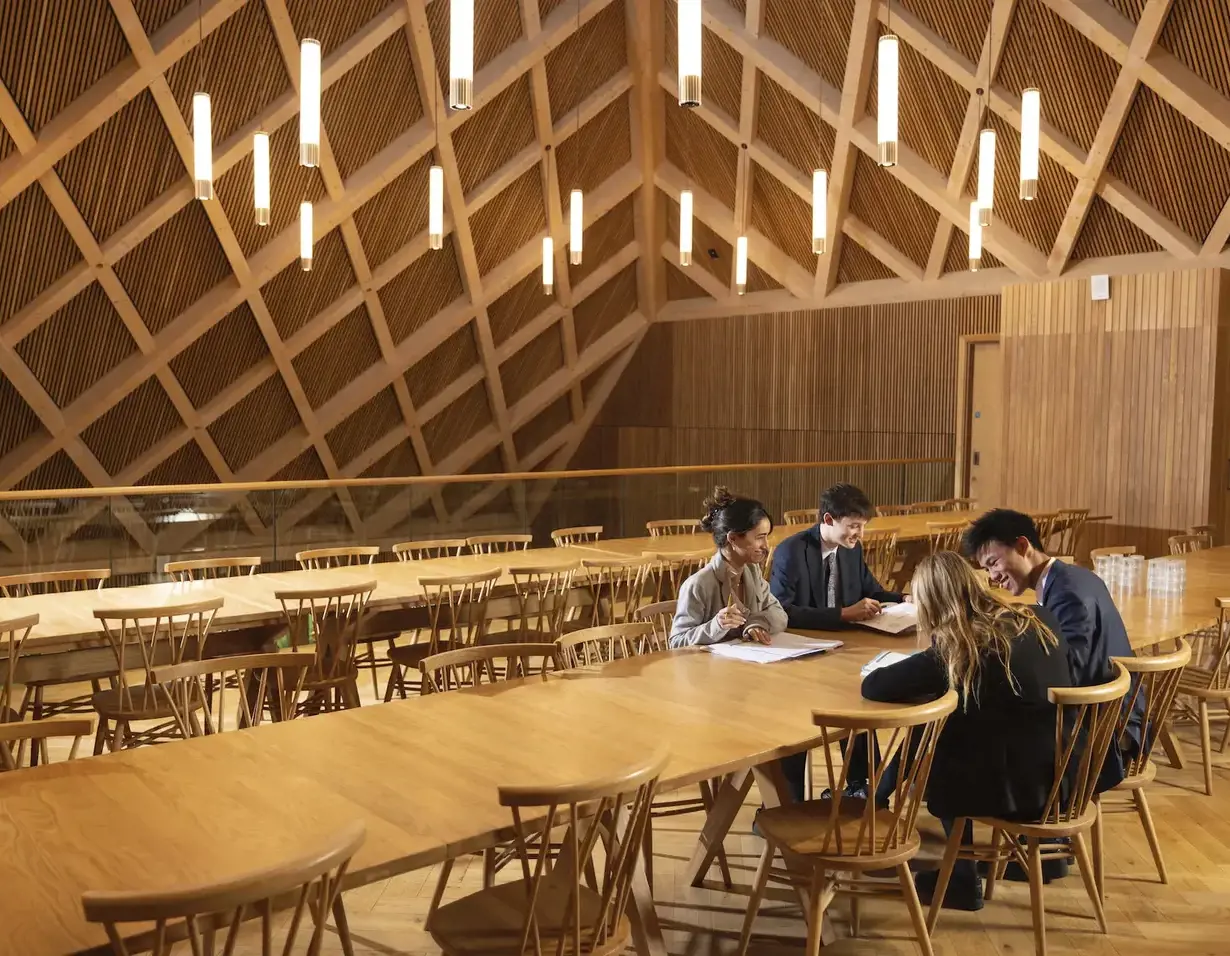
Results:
<point x="995" y="756"/>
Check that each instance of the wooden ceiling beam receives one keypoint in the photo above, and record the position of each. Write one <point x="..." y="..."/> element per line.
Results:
<point x="700" y="276"/>
<point x="644" y="25"/>
<point x="749" y="105"/>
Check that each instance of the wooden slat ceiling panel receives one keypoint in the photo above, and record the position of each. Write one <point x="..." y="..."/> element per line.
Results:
<point x="518" y="306"/>
<point x="601" y="148"/>
<point x="509" y="221"/>
<point x="1173" y="164"/>
<point x="253" y="424"/>
<point x="395" y="215"/>
<point x="816" y="31"/>
<point x="757" y="279"/>
<point x="722" y="83"/>
<point x="6" y="143"/>
<point x="963" y="23"/>
<point x="700" y="152"/>
<point x="77" y="346"/>
<point x="271" y="504"/>
<point x="704" y="240"/>
<point x="220" y="356"/>
<point x="859" y="265"/>
<point x="456" y="495"/>
<point x="892" y="210"/>
<point x="740" y="5"/>
<point x="586" y="60"/>
<point x="533" y="364"/>
<point x="41" y="60"/>
<point x="497" y="26"/>
<point x="542" y="426"/>
<point x="1198" y="34"/>
<point x="174" y="267"/>
<point x="604" y="238"/>
<point x="35" y="248"/>
<point x="155" y="14"/>
<point x="332" y="23"/>
<point x="444" y="364"/>
<point x="113" y="439"/>
<point x="371" y="105"/>
<point x="462" y="420"/>
<point x="1132" y="9"/>
<point x="546" y="7"/>
<point x="421" y="290"/>
<point x="592" y="380"/>
<point x="294" y="297"/>
<point x="680" y="286"/>
<point x="342" y="354"/>
<point x="18" y="421"/>
<point x="188" y="466"/>
<point x="793" y="131"/>
<point x="783" y="217"/>
<point x="1107" y="233"/>
<point x="401" y="462"/>
<point x="58" y="471"/>
<point x="1042" y="50"/>
<point x="603" y="309"/>
<point x="497" y="133"/>
<point x="957" y="257"/>
<point x="236" y="96"/>
<point x="122" y="166"/>
<point x="364" y="426"/>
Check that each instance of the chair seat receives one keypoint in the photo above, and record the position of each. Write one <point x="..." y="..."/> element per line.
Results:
<point x="144" y="703"/>
<point x="491" y="922"/>
<point x="1044" y="831"/>
<point x="805" y="829"/>
<point x="1146" y="776"/>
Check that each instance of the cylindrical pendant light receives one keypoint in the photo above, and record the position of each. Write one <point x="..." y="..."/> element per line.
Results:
<point x="685" y="227"/>
<point x="576" y="226"/>
<point x="1031" y="123"/>
<point x="435" y="208"/>
<point x="461" y="54"/>
<point x="819" y="210"/>
<point x="975" y="238"/>
<point x="309" y="102"/>
<point x="548" y="265"/>
<point x="260" y="177"/>
<point x="741" y="265"/>
<point x="202" y="147"/>
<point x="305" y="235"/>
<point x="689" y="52"/>
<point x="887" y="99"/>
<point x="986" y="176"/>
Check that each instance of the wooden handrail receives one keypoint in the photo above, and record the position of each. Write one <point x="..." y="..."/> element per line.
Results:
<point x="245" y="487"/>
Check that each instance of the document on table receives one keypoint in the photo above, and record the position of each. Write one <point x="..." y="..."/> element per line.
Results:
<point x="884" y="659"/>
<point x="781" y="647"/>
<point x="894" y="618"/>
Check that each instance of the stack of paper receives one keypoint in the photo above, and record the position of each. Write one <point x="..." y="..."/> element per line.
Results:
<point x="781" y="647"/>
<point x="894" y="618"/>
<point x="884" y="659"/>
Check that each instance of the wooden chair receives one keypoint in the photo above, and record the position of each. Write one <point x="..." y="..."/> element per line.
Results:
<point x="1046" y="522"/>
<point x="542" y="603"/>
<point x="53" y="582"/>
<point x="424" y="550"/>
<point x="1209" y="530"/>
<point x="601" y="645"/>
<point x="1205" y="683"/>
<point x="658" y="616"/>
<point x="498" y="543"/>
<point x="491" y="664"/>
<point x="802" y="516"/>
<point x="203" y="913"/>
<point x="568" y="536"/>
<point x="946" y="535"/>
<point x="318" y="559"/>
<point x="262" y="683"/>
<point x="552" y="909"/>
<point x="1069" y="527"/>
<point x="669" y="526"/>
<point x="332" y="618"/>
<point x="928" y="507"/>
<point x="669" y="569"/>
<point x="13" y="634"/>
<point x="617" y="587"/>
<point x="456" y="612"/>
<point x="203" y="569"/>
<point x="880" y="554"/>
<point x="1085" y="722"/>
<point x="171" y="634"/>
<point x="1188" y="543"/>
<point x="843" y="839"/>
<point x="32" y="737"/>
<point x="1096" y="553"/>
<point x="892" y="511"/>
<point x="962" y="504"/>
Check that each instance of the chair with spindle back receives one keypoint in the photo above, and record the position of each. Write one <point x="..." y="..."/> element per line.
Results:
<point x="946" y="535"/>
<point x="928" y="507"/>
<point x="1086" y="719"/>
<point x="617" y="587"/>
<point x="348" y="556"/>
<point x="554" y="908"/>
<point x="1188" y="543"/>
<point x="1046" y="523"/>
<point x="564" y="537"/>
<point x="456" y="617"/>
<point x="658" y="616"/>
<point x="328" y="621"/>
<point x="1206" y="683"/>
<point x="13" y="634"/>
<point x="33" y="736"/>
<point x="262" y="683"/>
<point x="802" y="516"/>
<point x="669" y="569"/>
<point x="601" y="645"/>
<point x="206" y="913"/>
<point x="426" y="550"/>
<point x="498" y="543"/>
<point x="843" y="839"/>
<point x="1209" y="530"/>
<point x="670" y="526"/>
<point x="170" y="633"/>
<point x="1069" y="527"/>
<point x="1096" y="553"/>
<point x="204" y="569"/>
<point x="892" y="511"/>
<point x="542" y="602"/>
<point x="962" y="504"/>
<point x="880" y="554"/>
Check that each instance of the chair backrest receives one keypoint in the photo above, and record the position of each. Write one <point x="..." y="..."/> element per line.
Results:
<point x="601" y="645"/>
<point x="487" y="664"/>
<point x="313" y="881"/>
<point x="36" y="733"/>
<point x="890" y="511"/>
<point x="53" y="582"/>
<point x="1069" y="527"/>
<point x="671" y="568"/>
<point x="928" y="507"/>
<point x="1209" y="668"/>
<point x="616" y="810"/>
<point x="658" y="616"/>
<point x="566" y="536"/>
<point x="542" y="598"/>
<point x="1085" y="722"/>
<point x="422" y="550"/>
<point x="498" y="543"/>
<point x="1208" y="530"/>
<point x="200" y="569"/>
<point x="802" y="516"/>
<point x="880" y="553"/>
<point x="617" y="587"/>
<point x="946" y="535"/>
<point x="13" y="634"/>
<point x="1096" y="553"/>
<point x="962" y="504"/>
<point x="673" y="526"/>
<point x="262" y="683"/>
<point x="457" y="604"/>
<point x="1155" y="681"/>
<point x="182" y="629"/>
<point x="1187" y="543"/>
<point x="332" y="619"/>
<point x="1045" y="522"/>
<point x="910" y="730"/>
<point x="316" y="559"/>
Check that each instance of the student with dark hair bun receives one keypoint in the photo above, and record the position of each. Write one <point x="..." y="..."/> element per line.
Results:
<point x="729" y="598"/>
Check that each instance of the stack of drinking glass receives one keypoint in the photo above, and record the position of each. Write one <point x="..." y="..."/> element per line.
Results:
<point x="1167" y="576"/>
<point x="1121" y="571"/>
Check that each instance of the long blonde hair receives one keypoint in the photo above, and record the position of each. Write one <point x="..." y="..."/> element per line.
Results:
<point x="966" y="621"/>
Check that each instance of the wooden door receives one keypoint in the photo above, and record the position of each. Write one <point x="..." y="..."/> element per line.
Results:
<point x="984" y="449"/>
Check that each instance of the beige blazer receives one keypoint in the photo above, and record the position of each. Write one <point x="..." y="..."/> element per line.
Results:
<point x="706" y="592"/>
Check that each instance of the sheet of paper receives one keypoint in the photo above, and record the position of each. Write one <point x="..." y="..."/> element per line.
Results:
<point x="782" y="647"/>
<point x="883" y="659"/>
<point x="894" y="618"/>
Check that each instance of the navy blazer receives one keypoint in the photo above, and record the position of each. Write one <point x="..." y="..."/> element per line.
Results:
<point x="798" y="581"/>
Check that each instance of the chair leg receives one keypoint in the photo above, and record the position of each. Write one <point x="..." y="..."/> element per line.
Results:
<point x="342" y="925"/>
<point x="1225" y="734"/>
<point x="100" y="736"/>
<point x="1036" y="902"/>
<point x="949" y="861"/>
<point x="1146" y="821"/>
<point x="993" y="867"/>
<point x="1098" y="846"/>
<point x="647" y="851"/>
<point x="1091" y="884"/>
<point x="446" y="869"/>
<point x="37" y="714"/>
<point x="753" y="902"/>
<point x="855" y="917"/>
<point x="817" y="903"/>
<point x="489" y="866"/>
<point x="917" y="916"/>
<point x="1206" y="747"/>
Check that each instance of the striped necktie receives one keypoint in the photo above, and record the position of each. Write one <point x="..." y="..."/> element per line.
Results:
<point x="830" y="571"/>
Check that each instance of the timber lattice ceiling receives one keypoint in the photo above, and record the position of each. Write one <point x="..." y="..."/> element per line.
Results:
<point x="126" y="301"/>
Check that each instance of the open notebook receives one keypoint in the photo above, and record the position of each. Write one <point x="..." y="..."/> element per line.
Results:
<point x="894" y="618"/>
<point x="781" y="647"/>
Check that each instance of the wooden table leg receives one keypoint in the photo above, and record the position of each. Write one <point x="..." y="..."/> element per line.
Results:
<point x="726" y="803"/>
<point x="1173" y="747"/>
<point x="646" y="930"/>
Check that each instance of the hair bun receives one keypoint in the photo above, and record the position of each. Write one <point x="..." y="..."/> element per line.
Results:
<point x="721" y="498"/>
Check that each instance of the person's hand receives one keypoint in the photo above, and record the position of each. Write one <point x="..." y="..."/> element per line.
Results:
<point x="758" y="634"/>
<point x="730" y="617"/>
<point x="861" y="610"/>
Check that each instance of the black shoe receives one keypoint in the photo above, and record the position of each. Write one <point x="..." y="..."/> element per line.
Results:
<point x="1053" y="869"/>
<point x="854" y="793"/>
<point x="967" y="898"/>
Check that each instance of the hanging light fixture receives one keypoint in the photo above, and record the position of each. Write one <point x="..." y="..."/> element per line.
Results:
<point x="685" y="228"/>
<point x="975" y="238"/>
<point x="741" y="265"/>
<point x="986" y="175"/>
<point x="576" y="223"/>
<point x="435" y="192"/>
<point x="689" y="53"/>
<point x="1031" y="123"/>
<point x="202" y="128"/>
<point x="548" y="265"/>
<point x="819" y="210"/>
<point x="305" y="235"/>
<point x="887" y="99"/>
<point x="309" y="102"/>
<point x="461" y="54"/>
<point x="260" y="177"/>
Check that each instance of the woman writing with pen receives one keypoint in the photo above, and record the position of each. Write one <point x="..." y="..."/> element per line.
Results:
<point x="729" y="597"/>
